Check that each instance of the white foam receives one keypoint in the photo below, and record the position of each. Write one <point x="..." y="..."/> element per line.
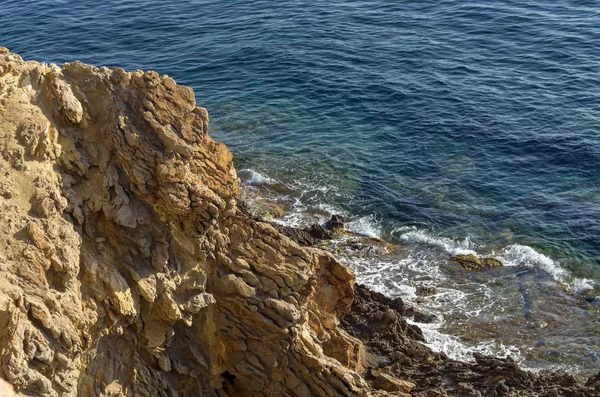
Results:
<point x="513" y="255"/>
<point x="453" y="247"/>
<point x="256" y="178"/>
<point x="367" y="225"/>
<point x="457" y="350"/>
<point x="523" y="255"/>
<point x="330" y="209"/>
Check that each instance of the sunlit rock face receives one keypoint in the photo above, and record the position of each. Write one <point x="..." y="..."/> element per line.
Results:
<point x="126" y="267"/>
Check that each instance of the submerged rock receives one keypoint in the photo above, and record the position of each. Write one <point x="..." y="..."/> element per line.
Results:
<point x="395" y="349"/>
<point x="425" y="291"/>
<point x="335" y="223"/>
<point x="472" y="262"/>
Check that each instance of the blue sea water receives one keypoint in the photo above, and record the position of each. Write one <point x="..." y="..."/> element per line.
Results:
<point x="464" y="125"/>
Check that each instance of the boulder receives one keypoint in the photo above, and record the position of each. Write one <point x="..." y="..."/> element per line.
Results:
<point x="472" y="262"/>
<point x="335" y="223"/>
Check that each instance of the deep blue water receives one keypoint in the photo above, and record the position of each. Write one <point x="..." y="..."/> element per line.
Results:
<point x="465" y="118"/>
<point x="465" y="125"/>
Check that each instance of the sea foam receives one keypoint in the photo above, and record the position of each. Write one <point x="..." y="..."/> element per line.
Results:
<point x="523" y="255"/>
<point x="256" y="178"/>
<point x="453" y="247"/>
<point x="512" y="255"/>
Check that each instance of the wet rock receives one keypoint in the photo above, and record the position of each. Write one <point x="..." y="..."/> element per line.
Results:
<point x="472" y="262"/>
<point x="319" y="232"/>
<point x="594" y="381"/>
<point x="373" y="313"/>
<point x="424" y="318"/>
<point x="420" y="317"/>
<point x="425" y="291"/>
<point x="400" y="354"/>
<point x="591" y="295"/>
<point x="335" y="223"/>
<point x="307" y="237"/>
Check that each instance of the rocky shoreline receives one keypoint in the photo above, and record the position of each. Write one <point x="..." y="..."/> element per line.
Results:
<point x="129" y="267"/>
<point x="397" y="360"/>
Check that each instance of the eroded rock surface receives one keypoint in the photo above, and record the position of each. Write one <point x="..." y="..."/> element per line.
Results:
<point x="126" y="267"/>
<point x="394" y="348"/>
<point x="472" y="262"/>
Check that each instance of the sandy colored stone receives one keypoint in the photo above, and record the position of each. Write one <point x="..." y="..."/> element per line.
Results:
<point x="388" y="383"/>
<point x="126" y="267"/>
<point x="473" y="262"/>
<point x="6" y="390"/>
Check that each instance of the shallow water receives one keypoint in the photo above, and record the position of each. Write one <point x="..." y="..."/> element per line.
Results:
<point x="516" y="311"/>
<point x="446" y="126"/>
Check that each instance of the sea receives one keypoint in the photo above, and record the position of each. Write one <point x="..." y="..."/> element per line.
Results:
<point x="443" y="127"/>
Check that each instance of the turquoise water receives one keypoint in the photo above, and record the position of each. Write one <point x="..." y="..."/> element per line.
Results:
<point x="469" y="119"/>
<point x="463" y="126"/>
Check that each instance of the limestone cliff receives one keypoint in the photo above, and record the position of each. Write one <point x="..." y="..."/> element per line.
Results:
<point x="126" y="267"/>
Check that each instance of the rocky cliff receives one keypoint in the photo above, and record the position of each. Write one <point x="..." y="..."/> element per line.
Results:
<point x="126" y="267"/>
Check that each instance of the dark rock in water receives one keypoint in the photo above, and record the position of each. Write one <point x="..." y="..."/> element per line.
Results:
<point x="336" y="222"/>
<point x="424" y="318"/>
<point x="319" y="232"/>
<point x="425" y="291"/>
<point x="419" y="316"/>
<point x="492" y="263"/>
<point x="398" y="305"/>
<point x="594" y="381"/>
<point x="305" y="236"/>
<point x="400" y="353"/>
<point x="301" y="236"/>
<point x="279" y="188"/>
<point x="472" y="262"/>
<point x="375" y="313"/>
<point x="591" y="295"/>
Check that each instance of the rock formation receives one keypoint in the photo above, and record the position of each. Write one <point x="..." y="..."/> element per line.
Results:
<point x="126" y="267"/>
<point x="472" y="262"/>
<point x="395" y="349"/>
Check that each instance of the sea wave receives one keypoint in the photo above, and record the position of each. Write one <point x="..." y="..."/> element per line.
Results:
<point x="453" y="247"/>
<point x="523" y="255"/>
<point x="512" y="255"/>
<point x="366" y="225"/>
<point x="454" y="348"/>
<point x="256" y="178"/>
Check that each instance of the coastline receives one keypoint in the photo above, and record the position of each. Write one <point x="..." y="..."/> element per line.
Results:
<point x="129" y="267"/>
<point x="396" y="346"/>
<point x="513" y="308"/>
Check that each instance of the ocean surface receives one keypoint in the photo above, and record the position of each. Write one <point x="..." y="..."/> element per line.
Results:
<point x="444" y="126"/>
